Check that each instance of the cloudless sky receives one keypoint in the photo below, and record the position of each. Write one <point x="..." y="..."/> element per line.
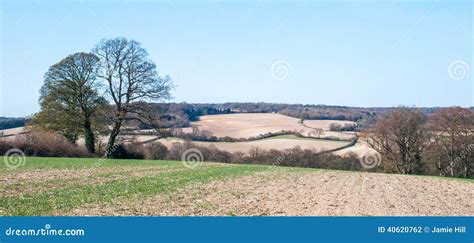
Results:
<point x="354" y="53"/>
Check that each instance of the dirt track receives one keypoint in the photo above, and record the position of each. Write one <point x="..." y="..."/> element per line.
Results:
<point x="316" y="193"/>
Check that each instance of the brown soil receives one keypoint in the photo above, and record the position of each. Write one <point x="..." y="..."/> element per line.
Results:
<point x="317" y="193"/>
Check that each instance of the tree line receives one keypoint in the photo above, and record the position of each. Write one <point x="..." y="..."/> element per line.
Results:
<point x="413" y="142"/>
<point x="12" y="122"/>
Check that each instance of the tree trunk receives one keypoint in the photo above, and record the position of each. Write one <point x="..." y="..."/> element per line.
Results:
<point x="89" y="136"/>
<point x="438" y="166"/>
<point x="113" y="136"/>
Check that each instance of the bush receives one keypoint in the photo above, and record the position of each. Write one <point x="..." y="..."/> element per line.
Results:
<point x="43" y="144"/>
<point x="347" y="127"/>
<point x="154" y="151"/>
<point x="210" y="153"/>
<point x="130" y="151"/>
<point x="5" y="145"/>
<point x="151" y="151"/>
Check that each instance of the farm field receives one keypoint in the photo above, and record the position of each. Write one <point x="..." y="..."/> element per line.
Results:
<point x="253" y="124"/>
<point x="278" y="143"/>
<point x="324" y="124"/>
<point x="249" y="125"/>
<point x="360" y="148"/>
<point x="73" y="186"/>
<point x="11" y="131"/>
<point x="246" y="125"/>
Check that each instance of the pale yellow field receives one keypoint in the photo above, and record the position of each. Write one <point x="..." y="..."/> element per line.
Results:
<point x="360" y="149"/>
<point x="278" y="143"/>
<point x="12" y="131"/>
<point x="253" y="124"/>
<point x="324" y="124"/>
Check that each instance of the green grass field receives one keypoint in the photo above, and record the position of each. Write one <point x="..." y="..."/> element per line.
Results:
<point x="45" y="186"/>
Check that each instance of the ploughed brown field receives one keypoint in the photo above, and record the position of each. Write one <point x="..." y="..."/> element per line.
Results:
<point x="317" y="193"/>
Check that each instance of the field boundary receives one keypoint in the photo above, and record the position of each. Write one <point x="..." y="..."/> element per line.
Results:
<point x="352" y="143"/>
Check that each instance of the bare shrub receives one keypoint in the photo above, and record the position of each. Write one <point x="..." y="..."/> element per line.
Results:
<point x="154" y="151"/>
<point x="129" y="151"/>
<point x="177" y="149"/>
<point x="44" y="144"/>
<point x="5" y="145"/>
<point x="210" y="153"/>
<point x="347" y="127"/>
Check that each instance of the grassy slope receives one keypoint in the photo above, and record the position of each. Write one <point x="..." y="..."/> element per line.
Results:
<point x="67" y="193"/>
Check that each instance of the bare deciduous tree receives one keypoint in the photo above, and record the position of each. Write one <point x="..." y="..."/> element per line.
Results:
<point x="316" y="132"/>
<point x="132" y="79"/>
<point x="400" y="137"/>
<point x="453" y="133"/>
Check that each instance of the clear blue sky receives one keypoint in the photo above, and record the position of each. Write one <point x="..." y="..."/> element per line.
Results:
<point x="356" y="53"/>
